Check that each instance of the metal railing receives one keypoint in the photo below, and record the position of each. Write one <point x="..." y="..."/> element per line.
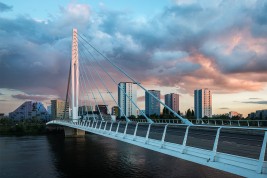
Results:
<point x="217" y="122"/>
<point x="247" y="123"/>
<point x="238" y="150"/>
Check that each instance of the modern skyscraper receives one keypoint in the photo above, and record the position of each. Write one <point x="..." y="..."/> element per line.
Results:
<point x="172" y="100"/>
<point x="203" y="103"/>
<point x="126" y="105"/>
<point x="58" y="108"/>
<point x="152" y="105"/>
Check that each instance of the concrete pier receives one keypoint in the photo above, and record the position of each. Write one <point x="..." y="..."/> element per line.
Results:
<point x="71" y="132"/>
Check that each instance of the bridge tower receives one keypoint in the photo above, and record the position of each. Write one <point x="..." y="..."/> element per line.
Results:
<point x="74" y="76"/>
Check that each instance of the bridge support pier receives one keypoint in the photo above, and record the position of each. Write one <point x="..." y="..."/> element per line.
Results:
<point x="71" y="132"/>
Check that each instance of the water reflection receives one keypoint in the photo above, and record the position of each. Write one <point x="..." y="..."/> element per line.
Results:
<point x="98" y="156"/>
<point x="27" y="156"/>
<point x="91" y="156"/>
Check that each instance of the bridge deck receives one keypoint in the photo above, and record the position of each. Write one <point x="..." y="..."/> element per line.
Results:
<point x="235" y="150"/>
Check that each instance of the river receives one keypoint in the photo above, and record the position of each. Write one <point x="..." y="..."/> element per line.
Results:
<point x="90" y="156"/>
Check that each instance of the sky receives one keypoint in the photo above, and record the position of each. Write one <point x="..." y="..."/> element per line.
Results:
<point x="168" y="45"/>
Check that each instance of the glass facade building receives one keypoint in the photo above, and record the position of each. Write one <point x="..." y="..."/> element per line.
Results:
<point x="203" y="103"/>
<point x="152" y="105"/>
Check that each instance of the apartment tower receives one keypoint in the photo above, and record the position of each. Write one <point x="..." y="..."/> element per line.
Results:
<point x="127" y="94"/>
<point x="203" y="103"/>
<point x="152" y="104"/>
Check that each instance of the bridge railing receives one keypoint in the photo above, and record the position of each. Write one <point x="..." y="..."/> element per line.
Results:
<point x="247" y="123"/>
<point x="234" y="146"/>
<point x="216" y="122"/>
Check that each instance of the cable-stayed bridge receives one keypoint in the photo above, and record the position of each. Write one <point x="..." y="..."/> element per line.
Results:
<point x="92" y="79"/>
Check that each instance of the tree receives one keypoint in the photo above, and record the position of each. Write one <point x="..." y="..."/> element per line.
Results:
<point x="154" y="116"/>
<point x="132" y="117"/>
<point x="205" y="117"/>
<point x="165" y="110"/>
<point x="141" y="117"/>
<point x="188" y="113"/>
<point x="123" y="118"/>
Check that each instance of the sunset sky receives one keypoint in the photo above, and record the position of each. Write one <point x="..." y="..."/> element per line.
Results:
<point x="168" y="45"/>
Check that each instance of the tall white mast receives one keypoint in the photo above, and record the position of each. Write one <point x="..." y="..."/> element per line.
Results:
<point x="74" y="75"/>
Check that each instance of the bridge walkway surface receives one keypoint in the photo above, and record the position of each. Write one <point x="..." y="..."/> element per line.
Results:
<point x="241" y="151"/>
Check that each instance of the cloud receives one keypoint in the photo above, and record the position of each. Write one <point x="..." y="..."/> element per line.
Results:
<point x="30" y="97"/>
<point x="225" y="108"/>
<point x="186" y="45"/>
<point x="1" y="94"/>
<point x="255" y="102"/>
<point x="35" y="56"/>
<point x="4" y="7"/>
<point x="141" y="98"/>
<point x="254" y="98"/>
<point x="213" y="53"/>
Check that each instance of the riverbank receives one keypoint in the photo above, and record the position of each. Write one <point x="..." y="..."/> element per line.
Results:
<point x="26" y="127"/>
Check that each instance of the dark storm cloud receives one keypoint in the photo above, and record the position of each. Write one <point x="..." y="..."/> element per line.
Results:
<point x="224" y="108"/>
<point x="29" y="97"/>
<point x="255" y="102"/>
<point x="259" y="16"/>
<point x="173" y="31"/>
<point x="112" y="21"/>
<point x="35" y="57"/>
<point x="186" y="45"/>
<point x="4" y="7"/>
<point x="187" y="10"/>
<point x="18" y="27"/>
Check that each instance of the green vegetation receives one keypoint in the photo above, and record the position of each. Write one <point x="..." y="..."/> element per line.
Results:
<point x="190" y="114"/>
<point x="23" y="127"/>
<point x="226" y="117"/>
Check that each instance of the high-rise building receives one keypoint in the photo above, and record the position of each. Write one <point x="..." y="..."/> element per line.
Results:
<point x="102" y="108"/>
<point x="172" y="101"/>
<point x="261" y="114"/>
<point x="30" y="110"/>
<point x="58" y="109"/>
<point x="115" y="110"/>
<point x="152" y="104"/>
<point x="126" y="105"/>
<point x="203" y="103"/>
<point x="258" y="115"/>
<point x="85" y="109"/>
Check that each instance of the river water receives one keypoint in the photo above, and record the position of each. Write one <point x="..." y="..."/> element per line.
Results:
<point x="91" y="156"/>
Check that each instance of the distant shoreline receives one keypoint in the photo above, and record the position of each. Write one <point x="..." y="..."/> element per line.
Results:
<point x="26" y="127"/>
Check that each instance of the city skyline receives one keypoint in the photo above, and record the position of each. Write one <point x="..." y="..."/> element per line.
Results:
<point x="225" y="52"/>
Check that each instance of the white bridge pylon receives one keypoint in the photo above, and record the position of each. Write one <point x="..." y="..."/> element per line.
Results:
<point x="74" y="76"/>
<point x="79" y="74"/>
